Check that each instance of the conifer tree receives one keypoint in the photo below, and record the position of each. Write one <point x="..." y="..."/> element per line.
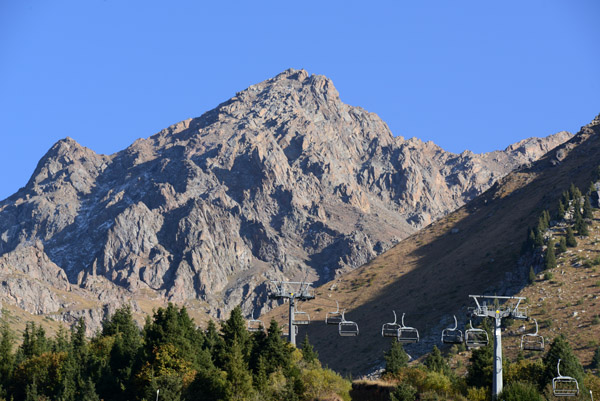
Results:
<point x="569" y="364"/>
<point x="277" y="351"/>
<point x="7" y="357"/>
<point x="238" y="375"/>
<point x="308" y="352"/>
<point x="591" y="188"/>
<point x="587" y="209"/>
<point x="580" y="225"/>
<point x="562" y="244"/>
<point x="596" y="361"/>
<point x="550" y="257"/>
<point x="436" y="362"/>
<point x="560" y="212"/>
<point x="539" y="237"/>
<point x="127" y="344"/>
<point x="575" y="193"/>
<point x="396" y="358"/>
<point x="570" y="239"/>
<point x="532" y="275"/>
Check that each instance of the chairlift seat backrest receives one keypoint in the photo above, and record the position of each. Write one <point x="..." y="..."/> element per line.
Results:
<point x="532" y="342"/>
<point x="347" y="328"/>
<point x="476" y="338"/>
<point x="407" y="334"/>
<point x="452" y="335"/>
<point x="390" y="329"/>
<point x="334" y="317"/>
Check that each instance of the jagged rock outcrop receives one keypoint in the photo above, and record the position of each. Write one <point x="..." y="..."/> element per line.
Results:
<point x="283" y="181"/>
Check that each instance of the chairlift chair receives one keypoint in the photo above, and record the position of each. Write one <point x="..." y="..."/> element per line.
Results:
<point x="300" y="318"/>
<point x="475" y="338"/>
<point x="564" y="386"/>
<point x="334" y="317"/>
<point x="390" y="329"/>
<point x="452" y="335"/>
<point x="532" y="342"/>
<point x="255" y="325"/>
<point x="347" y="328"/>
<point x="407" y="334"/>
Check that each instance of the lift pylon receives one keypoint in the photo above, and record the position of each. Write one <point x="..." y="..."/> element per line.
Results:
<point x="497" y="312"/>
<point x="292" y="291"/>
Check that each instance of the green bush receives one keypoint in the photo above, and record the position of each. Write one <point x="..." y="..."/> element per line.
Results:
<point x="404" y="392"/>
<point x="520" y="391"/>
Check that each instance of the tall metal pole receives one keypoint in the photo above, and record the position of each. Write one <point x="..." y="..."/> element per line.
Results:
<point x="292" y="326"/>
<point x="497" y="380"/>
<point x="497" y="313"/>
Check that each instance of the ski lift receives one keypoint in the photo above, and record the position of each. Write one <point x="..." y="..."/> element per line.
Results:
<point x="407" y="334"/>
<point x="532" y="342"/>
<point x="390" y="329"/>
<point x="347" y="328"/>
<point x="300" y="318"/>
<point x="475" y="338"/>
<point x="334" y="317"/>
<point x="452" y="335"/>
<point x="564" y="386"/>
<point x="255" y="325"/>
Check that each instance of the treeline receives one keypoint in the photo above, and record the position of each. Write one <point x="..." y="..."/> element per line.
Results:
<point x="524" y="379"/>
<point x="170" y="357"/>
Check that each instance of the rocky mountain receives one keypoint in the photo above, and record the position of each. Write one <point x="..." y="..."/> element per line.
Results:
<point x="283" y="181"/>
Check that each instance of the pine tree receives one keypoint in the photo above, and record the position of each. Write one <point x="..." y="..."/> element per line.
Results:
<point x="587" y="209"/>
<point x="276" y="351"/>
<point x="308" y="352"/>
<point x="238" y="375"/>
<point x="591" y="188"/>
<point x="596" y="361"/>
<point x="570" y="239"/>
<point x="569" y="364"/>
<point x="562" y="244"/>
<point x="580" y="225"/>
<point x="396" y="358"/>
<point x="575" y="193"/>
<point x="123" y="355"/>
<point x="532" y="276"/>
<point x="550" y="257"/>
<point x="539" y="237"/>
<point x="7" y="357"/>
<point x="560" y="212"/>
<point x="436" y="362"/>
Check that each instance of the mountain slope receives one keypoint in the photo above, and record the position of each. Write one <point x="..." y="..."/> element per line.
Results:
<point x="430" y="275"/>
<point x="281" y="181"/>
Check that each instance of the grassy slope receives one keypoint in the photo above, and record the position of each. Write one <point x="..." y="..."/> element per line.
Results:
<point x="430" y="274"/>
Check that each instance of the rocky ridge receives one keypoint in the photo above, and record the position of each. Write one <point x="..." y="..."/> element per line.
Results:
<point x="283" y="181"/>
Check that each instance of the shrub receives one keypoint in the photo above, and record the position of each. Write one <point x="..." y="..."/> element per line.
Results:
<point x="520" y="391"/>
<point x="404" y="392"/>
<point x="477" y="394"/>
<point x="548" y="276"/>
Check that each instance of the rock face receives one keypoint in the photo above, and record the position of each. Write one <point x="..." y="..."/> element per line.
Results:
<point x="283" y="181"/>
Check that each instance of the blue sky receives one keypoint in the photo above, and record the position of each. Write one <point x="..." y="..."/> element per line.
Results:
<point x="475" y="75"/>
